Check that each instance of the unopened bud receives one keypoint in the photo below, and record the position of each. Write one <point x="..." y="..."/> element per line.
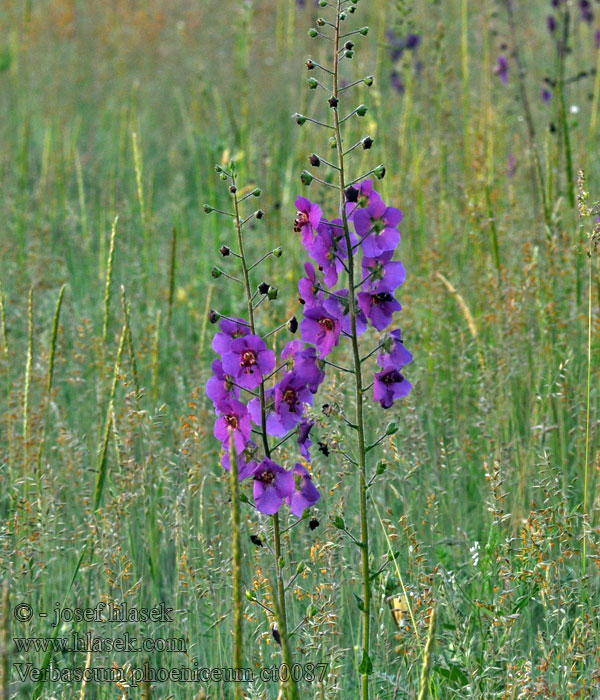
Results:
<point x="313" y="84"/>
<point x="306" y="177"/>
<point x="300" y="118"/>
<point x="216" y="272"/>
<point x="259" y="213"/>
<point x="233" y="189"/>
<point x="338" y="522"/>
<point x="224" y="250"/>
<point x="264" y="287"/>
<point x="292" y="324"/>
<point x="392" y="428"/>
<point x="300" y="568"/>
<point x="381" y="467"/>
<point x="310" y="64"/>
<point x="256" y="192"/>
<point x="367" y="143"/>
<point x="364" y="31"/>
<point x="379" y="172"/>
<point x="349" y="45"/>
<point x="207" y="209"/>
<point x="312" y="33"/>
<point x="314" y="159"/>
<point x="250" y="595"/>
<point x="352" y="194"/>
<point x="278" y="251"/>
<point x="368" y="81"/>
<point x="213" y="316"/>
<point x="348" y="54"/>
<point x="333" y="101"/>
<point x="361" y="110"/>
<point x="272" y="293"/>
<point x="321" y="22"/>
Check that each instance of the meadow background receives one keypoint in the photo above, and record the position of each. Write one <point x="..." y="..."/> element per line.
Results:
<point x="122" y="108"/>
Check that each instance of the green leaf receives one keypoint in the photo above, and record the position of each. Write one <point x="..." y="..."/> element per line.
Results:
<point x="453" y="673"/>
<point x="366" y="665"/>
<point x="360" y="602"/>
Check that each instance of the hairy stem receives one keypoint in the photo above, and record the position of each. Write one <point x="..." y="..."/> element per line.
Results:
<point x="357" y="374"/>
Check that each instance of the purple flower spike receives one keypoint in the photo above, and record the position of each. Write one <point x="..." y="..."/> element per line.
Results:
<point x="308" y="286"/>
<point x="305" y="494"/>
<point x="502" y="69"/>
<point x="394" y="352"/>
<point x="307" y="220"/>
<point x="272" y="485"/>
<point x="303" y="361"/>
<point x="377" y="226"/>
<point x="390" y="385"/>
<point x="248" y="360"/>
<point x="322" y="328"/>
<point x="234" y="416"/>
<point x="304" y="441"/>
<point x="290" y="396"/>
<point x="379" y="305"/>
<point x="390" y="273"/>
<point x="246" y="460"/>
<point x="230" y="329"/>
<point x="220" y="388"/>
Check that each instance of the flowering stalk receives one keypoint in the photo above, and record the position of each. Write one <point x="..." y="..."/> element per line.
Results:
<point x="237" y="565"/>
<point x="241" y="399"/>
<point x="334" y="313"/>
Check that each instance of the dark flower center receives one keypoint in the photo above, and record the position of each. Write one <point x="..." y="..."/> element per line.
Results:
<point x="327" y="324"/>
<point x="291" y="398"/>
<point x="248" y="361"/>
<point x="392" y="377"/>
<point x="232" y="421"/>
<point x="300" y="221"/>
<point x="267" y="477"/>
<point x="382" y="298"/>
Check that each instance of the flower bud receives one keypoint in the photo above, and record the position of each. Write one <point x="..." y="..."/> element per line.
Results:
<point x="313" y="83"/>
<point x="256" y="192"/>
<point x="218" y="169"/>
<point x="343" y="16"/>
<point x="300" y="568"/>
<point x="311" y="611"/>
<point x="332" y="142"/>
<point x="348" y="54"/>
<point x="367" y="143"/>
<point x="216" y="272"/>
<point x="379" y="172"/>
<point x="314" y="159"/>
<point x="323" y="3"/>
<point x="213" y="316"/>
<point x="312" y="33"/>
<point x="313" y="524"/>
<point x="364" y="31"/>
<point x="321" y="22"/>
<point x="224" y="250"/>
<point x="338" y="522"/>
<point x="256" y="541"/>
<point x="352" y="194"/>
<point x="368" y="81"/>
<point x="349" y="45"/>
<point x="361" y="110"/>
<point x="300" y="118"/>
<point x="333" y="101"/>
<point x="392" y="428"/>
<point x="259" y="213"/>
<point x="233" y="189"/>
<point x="306" y="177"/>
<point x="223" y="176"/>
<point x="272" y="293"/>
<point x="381" y="467"/>
<point x="264" y="287"/>
<point x="250" y="595"/>
<point x="292" y="324"/>
<point x="310" y="63"/>
<point x="278" y="251"/>
<point x="207" y="209"/>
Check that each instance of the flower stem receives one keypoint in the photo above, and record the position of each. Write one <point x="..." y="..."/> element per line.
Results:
<point x="237" y="565"/>
<point x="366" y="612"/>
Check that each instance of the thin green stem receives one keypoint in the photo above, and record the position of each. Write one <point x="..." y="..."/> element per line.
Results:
<point x="366" y="583"/>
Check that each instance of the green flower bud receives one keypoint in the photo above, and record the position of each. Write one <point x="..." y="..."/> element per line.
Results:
<point x="338" y="522"/>
<point x="379" y="172"/>
<point x="312" y="33"/>
<point x="343" y="16"/>
<point x="364" y="31"/>
<point x="349" y="54"/>
<point x="306" y="177"/>
<point x="216" y="272"/>
<point x="300" y="568"/>
<point x="368" y="81"/>
<point x="272" y="293"/>
<point x="381" y="467"/>
<point x="391" y="429"/>
<point x="207" y="209"/>
<point x="250" y="595"/>
<point x="332" y="142"/>
<point x="256" y="192"/>
<point x="278" y="251"/>
<point x="313" y="84"/>
<point x="361" y="110"/>
<point x="300" y="118"/>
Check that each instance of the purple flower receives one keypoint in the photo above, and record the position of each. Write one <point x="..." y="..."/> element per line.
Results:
<point x="329" y="249"/>
<point x="322" y="328"/>
<point x="390" y="385"/>
<point x="234" y="328"/>
<point x="397" y="44"/>
<point x="248" y="360"/>
<point x="394" y="352"/>
<point x="379" y="305"/>
<point x="272" y="485"/>
<point x="220" y="388"/>
<point x="397" y="82"/>
<point x="234" y="416"/>
<point x="291" y="393"/>
<point x="305" y="494"/>
<point x="308" y="217"/>
<point x="502" y="69"/>
<point x="308" y="286"/>
<point x="304" y="441"/>
<point x="376" y="225"/>
<point x="587" y="14"/>
<point x="551" y="23"/>
<point x="304" y="362"/>
<point x="335" y="306"/>
<point x="390" y="273"/>
<point x="546" y="95"/>
<point x="413" y="41"/>
<point x="246" y="460"/>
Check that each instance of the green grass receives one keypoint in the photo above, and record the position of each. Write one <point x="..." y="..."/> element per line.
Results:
<point x="483" y="495"/>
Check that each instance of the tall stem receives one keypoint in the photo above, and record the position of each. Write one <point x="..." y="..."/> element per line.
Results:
<point x="281" y="607"/>
<point x="357" y="374"/>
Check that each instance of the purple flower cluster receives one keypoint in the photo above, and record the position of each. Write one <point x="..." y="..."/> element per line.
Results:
<point x="245" y="364"/>
<point x="375" y="236"/>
